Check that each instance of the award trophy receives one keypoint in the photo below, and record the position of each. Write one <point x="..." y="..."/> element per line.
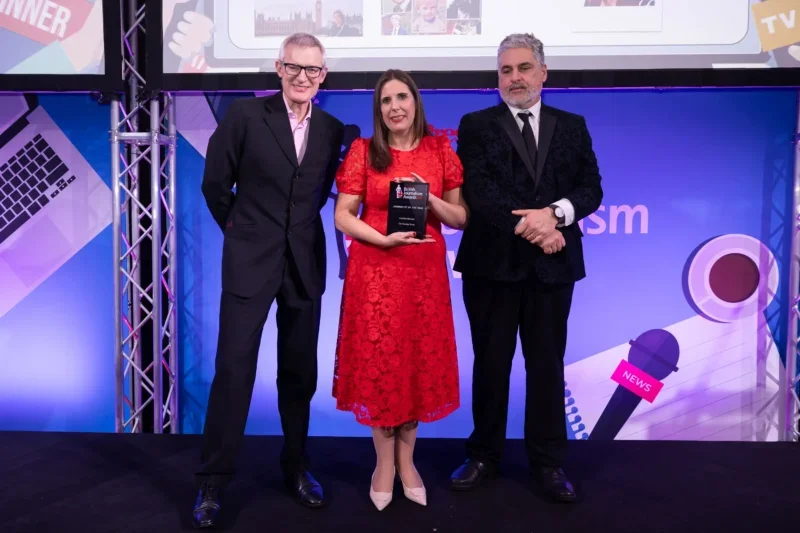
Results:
<point x="408" y="207"/>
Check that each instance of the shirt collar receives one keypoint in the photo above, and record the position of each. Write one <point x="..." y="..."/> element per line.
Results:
<point x="535" y="109"/>
<point x="291" y="113"/>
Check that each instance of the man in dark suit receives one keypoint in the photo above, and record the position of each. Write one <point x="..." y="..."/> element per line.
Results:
<point x="530" y="174"/>
<point x="281" y="154"/>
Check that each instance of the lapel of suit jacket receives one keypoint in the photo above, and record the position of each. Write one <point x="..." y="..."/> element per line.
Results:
<point x="277" y="119"/>
<point x="509" y="124"/>
<point x="316" y="135"/>
<point x="547" y="125"/>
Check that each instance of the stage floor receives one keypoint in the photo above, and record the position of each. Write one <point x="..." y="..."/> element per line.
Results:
<point x="105" y="482"/>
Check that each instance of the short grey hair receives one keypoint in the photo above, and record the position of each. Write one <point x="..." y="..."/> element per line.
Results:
<point x="302" y="40"/>
<point x="522" y="40"/>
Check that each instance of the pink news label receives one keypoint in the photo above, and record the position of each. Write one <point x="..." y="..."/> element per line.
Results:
<point x="637" y="381"/>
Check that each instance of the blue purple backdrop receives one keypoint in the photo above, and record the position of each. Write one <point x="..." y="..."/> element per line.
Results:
<point x="57" y="335"/>
<point x="690" y="248"/>
<point x="679" y="168"/>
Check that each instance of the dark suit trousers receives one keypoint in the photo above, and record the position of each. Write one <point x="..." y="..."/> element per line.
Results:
<point x="539" y="312"/>
<point x="240" y="329"/>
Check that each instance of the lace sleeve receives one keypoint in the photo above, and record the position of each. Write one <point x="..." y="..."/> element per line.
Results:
<point x="453" y="171"/>
<point x="351" y="178"/>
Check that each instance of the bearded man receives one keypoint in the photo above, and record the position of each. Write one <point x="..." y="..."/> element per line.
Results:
<point x="530" y="174"/>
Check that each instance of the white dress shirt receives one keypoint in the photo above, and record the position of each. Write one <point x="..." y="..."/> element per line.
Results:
<point x="536" y="111"/>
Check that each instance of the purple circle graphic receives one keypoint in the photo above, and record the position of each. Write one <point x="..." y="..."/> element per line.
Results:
<point x="731" y="277"/>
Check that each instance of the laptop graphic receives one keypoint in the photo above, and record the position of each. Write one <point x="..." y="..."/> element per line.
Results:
<point x="52" y="203"/>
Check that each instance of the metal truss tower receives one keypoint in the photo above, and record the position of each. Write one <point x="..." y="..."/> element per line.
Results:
<point x="789" y="419"/>
<point x="144" y="243"/>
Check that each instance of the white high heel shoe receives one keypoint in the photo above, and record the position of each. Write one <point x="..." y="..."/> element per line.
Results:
<point x="380" y="499"/>
<point x="417" y="495"/>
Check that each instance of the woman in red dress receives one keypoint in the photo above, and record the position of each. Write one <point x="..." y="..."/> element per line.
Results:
<point x="396" y="361"/>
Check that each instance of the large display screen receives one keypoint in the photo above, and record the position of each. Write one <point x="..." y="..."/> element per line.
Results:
<point x="59" y="44"/>
<point x="225" y="36"/>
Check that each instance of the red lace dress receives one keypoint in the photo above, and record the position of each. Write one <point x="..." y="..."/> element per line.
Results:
<point x="396" y="353"/>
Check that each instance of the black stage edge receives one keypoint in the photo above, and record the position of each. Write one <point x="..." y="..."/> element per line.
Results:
<point x="105" y="482"/>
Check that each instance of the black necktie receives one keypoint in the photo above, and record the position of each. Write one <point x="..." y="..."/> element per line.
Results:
<point x="527" y="135"/>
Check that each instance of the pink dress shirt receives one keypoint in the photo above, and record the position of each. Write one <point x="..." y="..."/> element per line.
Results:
<point x="299" y="130"/>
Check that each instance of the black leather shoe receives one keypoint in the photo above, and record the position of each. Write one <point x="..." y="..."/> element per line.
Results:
<point x="470" y="475"/>
<point x="305" y="488"/>
<point x="556" y="484"/>
<point x="206" y="508"/>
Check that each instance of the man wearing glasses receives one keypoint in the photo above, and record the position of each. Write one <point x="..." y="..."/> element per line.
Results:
<point x="281" y="154"/>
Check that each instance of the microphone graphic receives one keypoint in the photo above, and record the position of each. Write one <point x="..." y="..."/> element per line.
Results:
<point x="652" y="357"/>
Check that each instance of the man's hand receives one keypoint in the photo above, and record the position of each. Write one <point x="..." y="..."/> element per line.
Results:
<point x="537" y="223"/>
<point x="552" y="243"/>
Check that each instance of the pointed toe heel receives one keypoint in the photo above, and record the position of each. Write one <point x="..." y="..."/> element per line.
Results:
<point x="380" y="499"/>
<point x="418" y="495"/>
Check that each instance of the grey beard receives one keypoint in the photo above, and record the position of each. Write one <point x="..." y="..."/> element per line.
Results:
<point x="522" y="102"/>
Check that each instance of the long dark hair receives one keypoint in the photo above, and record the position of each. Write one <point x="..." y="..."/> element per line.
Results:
<point x="380" y="157"/>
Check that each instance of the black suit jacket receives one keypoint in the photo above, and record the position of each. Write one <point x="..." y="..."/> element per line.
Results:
<point x="277" y="201"/>
<point x="499" y="178"/>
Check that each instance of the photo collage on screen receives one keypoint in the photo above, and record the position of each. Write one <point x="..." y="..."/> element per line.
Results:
<point x="431" y="17"/>
<point x="323" y="18"/>
<point x="345" y="18"/>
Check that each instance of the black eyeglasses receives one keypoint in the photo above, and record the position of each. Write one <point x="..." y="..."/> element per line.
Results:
<point x="294" y="70"/>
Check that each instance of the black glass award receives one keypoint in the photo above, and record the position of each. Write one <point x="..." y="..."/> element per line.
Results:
<point x="408" y="207"/>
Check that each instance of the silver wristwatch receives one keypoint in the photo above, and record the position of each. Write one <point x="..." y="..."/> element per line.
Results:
<point x="559" y="213"/>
